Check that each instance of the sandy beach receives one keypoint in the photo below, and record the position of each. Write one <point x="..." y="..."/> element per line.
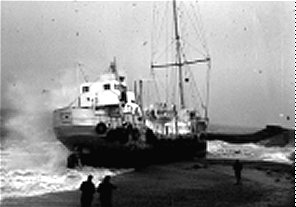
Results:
<point x="197" y="183"/>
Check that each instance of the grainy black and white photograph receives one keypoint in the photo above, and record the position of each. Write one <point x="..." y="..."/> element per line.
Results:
<point x="147" y="103"/>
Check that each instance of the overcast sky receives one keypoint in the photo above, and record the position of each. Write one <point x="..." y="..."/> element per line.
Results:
<point x="251" y="45"/>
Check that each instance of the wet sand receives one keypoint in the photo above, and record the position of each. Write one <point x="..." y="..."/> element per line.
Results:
<point x="188" y="184"/>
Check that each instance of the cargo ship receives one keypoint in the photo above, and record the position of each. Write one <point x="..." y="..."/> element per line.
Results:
<point x="108" y="125"/>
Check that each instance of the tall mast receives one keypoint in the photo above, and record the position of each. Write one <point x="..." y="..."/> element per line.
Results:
<point x="179" y="57"/>
<point x="180" y="61"/>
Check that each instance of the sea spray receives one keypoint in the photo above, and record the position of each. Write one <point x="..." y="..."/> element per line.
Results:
<point x="26" y="120"/>
<point x="33" y="161"/>
<point x="28" y="182"/>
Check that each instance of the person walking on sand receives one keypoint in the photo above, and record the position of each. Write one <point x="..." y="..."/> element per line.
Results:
<point x="237" y="167"/>
<point x="88" y="189"/>
<point x="105" y="190"/>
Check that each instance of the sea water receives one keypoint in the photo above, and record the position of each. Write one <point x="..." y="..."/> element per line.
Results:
<point x="33" y="161"/>
<point x="24" y="173"/>
<point x="251" y="151"/>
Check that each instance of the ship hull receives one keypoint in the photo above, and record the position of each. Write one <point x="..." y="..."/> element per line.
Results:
<point x="160" y="153"/>
<point x="73" y="136"/>
<point x="119" y="141"/>
<point x="98" y="150"/>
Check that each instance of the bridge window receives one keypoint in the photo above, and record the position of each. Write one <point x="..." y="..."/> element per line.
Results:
<point x="85" y="89"/>
<point x="107" y="87"/>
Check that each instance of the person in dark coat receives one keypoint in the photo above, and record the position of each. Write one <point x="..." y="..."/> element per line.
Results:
<point x="237" y="167"/>
<point x="88" y="189"/>
<point x="105" y="190"/>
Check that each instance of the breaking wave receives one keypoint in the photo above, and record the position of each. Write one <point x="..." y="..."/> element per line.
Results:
<point x="251" y="151"/>
<point x="34" y="181"/>
<point x="33" y="162"/>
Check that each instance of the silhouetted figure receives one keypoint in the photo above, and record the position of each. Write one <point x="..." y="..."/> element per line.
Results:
<point x="88" y="189"/>
<point x="237" y="167"/>
<point x="105" y="190"/>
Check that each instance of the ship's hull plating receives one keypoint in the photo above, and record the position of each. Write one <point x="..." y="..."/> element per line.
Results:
<point x="99" y="150"/>
<point x="73" y="136"/>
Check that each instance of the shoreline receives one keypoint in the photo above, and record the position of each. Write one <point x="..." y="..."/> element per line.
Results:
<point x="199" y="182"/>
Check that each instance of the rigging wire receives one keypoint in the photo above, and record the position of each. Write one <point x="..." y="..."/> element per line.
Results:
<point x="152" y="41"/>
<point x="209" y="63"/>
<point x="194" y="82"/>
<point x="165" y="50"/>
<point x="175" y="80"/>
<point x="198" y="18"/>
<point x="199" y="34"/>
<point x="155" y="84"/>
<point x="167" y="59"/>
<point x="161" y="25"/>
<point x="173" y="76"/>
<point x="195" y="48"/>
<point x="208" y="88"/>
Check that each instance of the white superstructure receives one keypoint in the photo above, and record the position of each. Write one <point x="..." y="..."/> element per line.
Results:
<point x="106" y="101"/>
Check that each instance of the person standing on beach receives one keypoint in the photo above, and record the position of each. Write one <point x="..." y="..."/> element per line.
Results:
<point x="105" y="190"/>
<point x="237" y="167"/>
<point x="88" y="189"/>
